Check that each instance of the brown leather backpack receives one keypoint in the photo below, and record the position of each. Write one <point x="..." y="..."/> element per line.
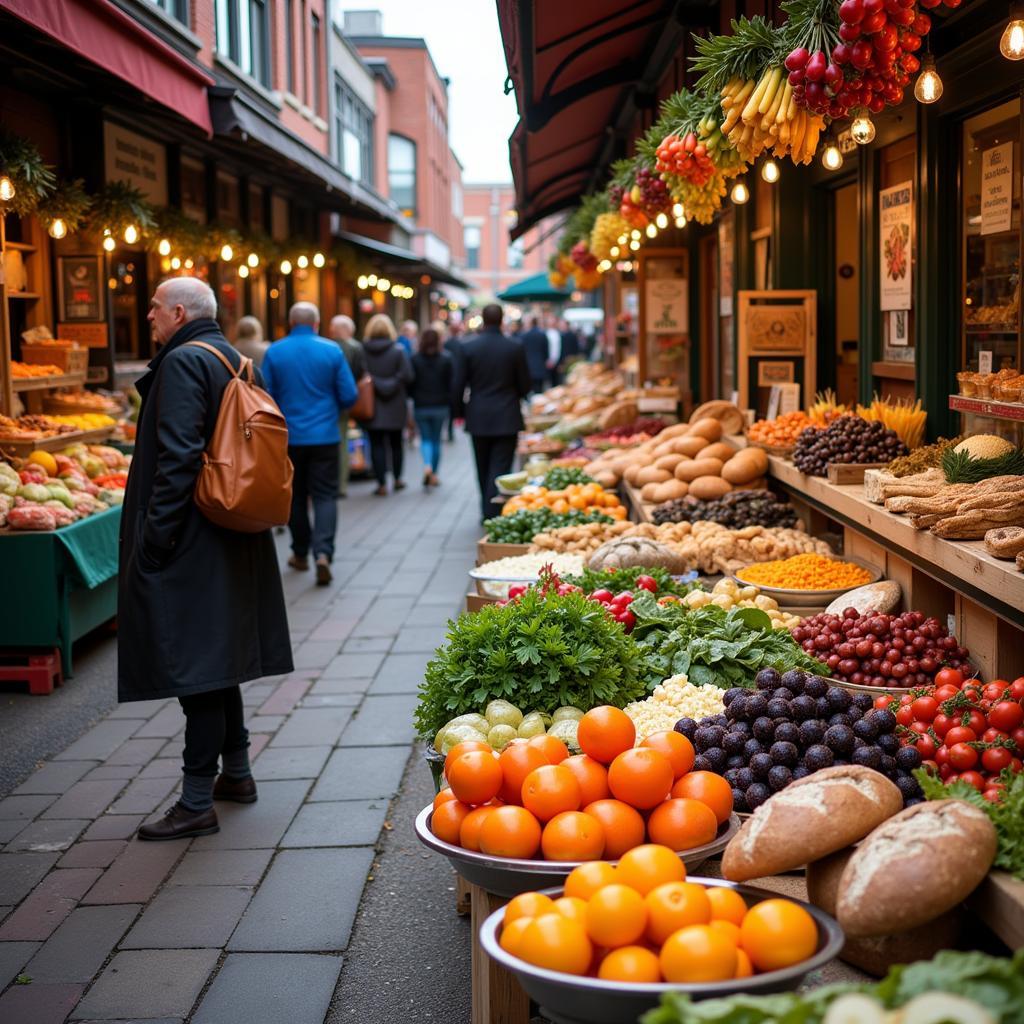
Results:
<point x="245" y="483"/>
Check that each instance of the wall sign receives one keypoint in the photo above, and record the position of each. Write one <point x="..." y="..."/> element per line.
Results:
<point x="87" y="335"/>
<point x="79" y="288"/>
<point x="139" y="161"/>
<point x="896" y="220"/>
<point x="899" y="327"/>
<point x="996" y="188"/>
<point x="770" y="373"/>
<point x="985" y="361"/>
<point x="666" y="305"/>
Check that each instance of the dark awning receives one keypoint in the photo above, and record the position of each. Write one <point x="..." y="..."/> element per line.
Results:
<point x="581" y="72"/>
<point x="534" y="289"/>
<point x="395" y="257"/>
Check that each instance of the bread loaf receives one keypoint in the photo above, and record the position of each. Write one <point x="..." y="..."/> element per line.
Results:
<point x="1005" y="542"/>
<point x="914" y="867"/>
<point x="706" y="427"/>
<point x="718" y="450"/>
<point x="693" y="468"/>
<point x="810" y="819"/>
<point x="708" y="488"/>
<point x="689" y="446"/>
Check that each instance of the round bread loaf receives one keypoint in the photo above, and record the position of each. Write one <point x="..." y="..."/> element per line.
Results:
<point x="810" y="819"/>
<point x="914" y="867"/>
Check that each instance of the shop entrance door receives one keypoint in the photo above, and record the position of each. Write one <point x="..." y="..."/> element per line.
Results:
<point x="846" y="285"/>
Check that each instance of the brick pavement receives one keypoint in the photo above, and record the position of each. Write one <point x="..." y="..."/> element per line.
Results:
<point x="251" y="924"/>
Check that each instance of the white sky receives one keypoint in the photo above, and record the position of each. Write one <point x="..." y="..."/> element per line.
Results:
<point x="465" y="42"/>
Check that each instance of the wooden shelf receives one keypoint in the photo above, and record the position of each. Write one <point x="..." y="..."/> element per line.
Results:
<point x="63" y="380"/>
<point x="55" y="443"/>
<point x="20" y="246"/>
<point x="987" y="407"/>
<point x="24" y="295"/>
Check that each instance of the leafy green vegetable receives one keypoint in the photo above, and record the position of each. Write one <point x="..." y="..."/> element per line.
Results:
<point x="617" y="580"/>
<point x="522" y="526"/>
<point x="1007" y="815"/>
<point x="559" y="477"/>
<point x="541" y="652"/>
<point x="715" y="646"/>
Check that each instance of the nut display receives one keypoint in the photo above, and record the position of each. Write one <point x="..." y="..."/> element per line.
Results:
<point x="735" y="510"/>
<point x="848" y="439"/>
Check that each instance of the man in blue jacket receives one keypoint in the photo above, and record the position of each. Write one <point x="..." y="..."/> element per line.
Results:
<point x="309" y="378"/>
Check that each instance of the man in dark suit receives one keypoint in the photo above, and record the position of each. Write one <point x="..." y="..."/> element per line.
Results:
<point x="494" y="369"/>
<point x="570" y="343"/>
<point x="535" y="345"/>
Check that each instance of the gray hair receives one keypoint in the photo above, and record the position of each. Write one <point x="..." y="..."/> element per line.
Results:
<point x="194" y="296"/>
<point x="249" y="329"/>
<point x="304" y="313"/>
<point x="342" y="326"/>
<point x="410" y="327"/>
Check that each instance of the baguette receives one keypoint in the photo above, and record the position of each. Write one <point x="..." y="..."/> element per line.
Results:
<point x="974" y="525"/>
<point x="923" y="522"/>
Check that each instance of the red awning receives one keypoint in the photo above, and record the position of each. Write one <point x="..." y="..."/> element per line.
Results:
<point x="105" y="35"/>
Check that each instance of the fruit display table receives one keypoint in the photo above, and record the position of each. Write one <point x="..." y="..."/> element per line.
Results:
<point x="62" y="584"/>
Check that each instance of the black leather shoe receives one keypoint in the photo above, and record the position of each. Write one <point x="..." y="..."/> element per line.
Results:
<point x="180" y="823"/>
<point x="241" y="791"/>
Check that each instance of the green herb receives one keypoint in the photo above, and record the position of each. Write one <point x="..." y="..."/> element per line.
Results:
<point x="1007" y="815"/>
<point x="522" y="526"/>
<point x="560" y="477"/>
<point x="962" y="468"/>
<point x="539" y="652"/>
<point x="617" y="580"/>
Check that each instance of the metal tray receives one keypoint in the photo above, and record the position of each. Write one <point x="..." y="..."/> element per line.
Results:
<point x="507" y="876"/>
<point x="812" y="598"/>
<point x="567" y="999"/>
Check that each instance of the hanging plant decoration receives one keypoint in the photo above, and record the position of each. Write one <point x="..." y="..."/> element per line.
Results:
<point x="187" y="237"/>
<point x="68" y="202"/>
<point x="120" y="206"/>
<point x="32" y="179"/>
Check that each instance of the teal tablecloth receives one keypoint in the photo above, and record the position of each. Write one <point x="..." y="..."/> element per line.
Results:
<point x="58" y="586"/>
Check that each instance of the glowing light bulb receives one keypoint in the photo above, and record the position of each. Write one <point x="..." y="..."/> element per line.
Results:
<point x="109" y="244"/>
<point x="243" y="271"/>
<point x="862" y="129"/>
<point x="131" y="234"/>
<point x="58" y="228"/>
<point x="371" y="279"/>
<point x="928" y="87"/>
<point x="175" y="263"/>
<point x="603" y="266"/>
<point x="361" y="281"/>
<point x="396" y="290"/>
<point x="189" y="264"/>
<point x="635" y="234"/>
<point x="319" y="259"/>
<point x="623" y="239"/>
<point x="651" y="231"/>
<point x="165" y="264"/>
<point x="614" y="251"/>
<point x="164" y="247"/>
<point x="740" y="193"/>
<point x="662" y="221"/>
<point x="286" y="266"/>
<point x="252" y="260"/>
<point x="227" y="253"/>
<point x="680" y="222"/>
<point x="383" y="284"/>
<point x="634" y="244"/>
<point x="770" y="171"/>
<point x="7" y="190"/>
<point x="302" y="262"/>
<point x="831" y="157"/>
<point x="1011" y="43"/>
<point x="677" y="210"/>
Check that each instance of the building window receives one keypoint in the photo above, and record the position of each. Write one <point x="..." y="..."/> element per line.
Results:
<point x="515" y="255"/>
<point x="471" y="240"/>
<point x="353" y="133"/>
<point x="402" y="172"/>
<point x="314" y="24"/>
<point x="177" y="9"/>
<point x="243" y="36"/>
<point x="289" y="45"/>
<point x="456" y="200"/>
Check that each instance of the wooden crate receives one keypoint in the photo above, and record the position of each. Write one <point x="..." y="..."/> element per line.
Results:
<point x="498" y="998"/>
<point x="474" y="602"/>
<point x="489" y="551"/>
<point x="68" y="358"/>
<point x="851" y="472"/>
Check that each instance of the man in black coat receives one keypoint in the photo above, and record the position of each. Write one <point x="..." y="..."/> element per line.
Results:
<point x="571" y="348"/>
<point x="535" y="344"/>
<point x="200" y="607"/>
<point x="494" y="369"/>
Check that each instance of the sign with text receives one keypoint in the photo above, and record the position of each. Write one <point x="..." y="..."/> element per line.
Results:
<point x="666" y="303"/>
<point x="134" y="159"/>
<point x="895" y="233"/>
<point x="87" y="335"/>
<point x="996" y="188"/>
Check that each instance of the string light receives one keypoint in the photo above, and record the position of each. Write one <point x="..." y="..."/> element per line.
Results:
<point x="252" y="260"/>
<point x="371" y="280"/>
<point x="652" y="231"/>
<point x="680" y="222"/>
<point x="189" y="264"/>
<point x="175" y="263"/>
<point x="361" y="282"/>
<point x="396" y="290"/>
<point x="662" y="221"/>
<point x="740" y="193"/>
<point x="7" y="190"/>
<point x="634" y="244"/>
<point x="131" y="234"/>
<point x="108" y="240"/>
<point x="164" y="247"/>
<point x="58" y="228"/>
<point x="831" y="156"/>
<point x="243" y="271"/>
<point x="635" y="234"/>
<point x="862" y="129"/>
<point x="623" y="239"/>
<point x="383" y="284"/>
<point x="319" y="259"/>
<point x="928" y="87"/>
<point x="770" y="171"/>
<point x="677" y="210"/>
<point x="1011" y="43"/>
<point x="165" y="264"/>
<point x="286" y="267"/>
<point x="604" y="265"/>
<point x="302" y="262"/>
<point x="614" y="250"/>
<point x="227" y="254"/>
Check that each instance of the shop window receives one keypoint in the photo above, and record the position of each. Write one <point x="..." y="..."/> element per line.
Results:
<point x="353" y="132"/>
<point x="193" y="188"/>
<point x="897" y="164"/>
<point x="177" y="9"/>
<point x="515" y="255"/>
<point x="228" y="199"/>
<point x="243" y="36"/>
<point x="289" y="45"/>
<point x="402" y="173"/>
<point x="991" y="239"/>
<point x="471" y="240"/>
<point x="256" y="222"/>
<point x="314" y="27"/>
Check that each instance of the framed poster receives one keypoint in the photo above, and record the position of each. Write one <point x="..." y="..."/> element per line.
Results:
<point x="666" y="302"/>
<point x="899" y="327"/>
<point x="895" y="237"/>
<point x="79" y="288"/>
<point x="997" y="189"/>
<point x="770" y="372"/>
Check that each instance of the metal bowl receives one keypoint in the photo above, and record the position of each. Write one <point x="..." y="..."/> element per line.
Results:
<point x="508" y="876"/>
<point x="567" y="999"/>
<point x="811" y="598"/>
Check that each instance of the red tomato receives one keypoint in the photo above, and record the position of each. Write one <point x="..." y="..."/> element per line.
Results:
<point x="946" y="772"/>
<point x="995" y="759"/>
<point x="884" y="701"/>
<point x="926" y="747"/>
<point x="972" y="693"/>
<point x="942" y="724"/>
<point x="921" y="728"/>
<point x="962" y="757"/>
<point x="991" y="735"/>
<point x="942" y="756"/>
<point x="976" y="721"/>
<point x="959" y="734"/>
<point x="930" y="766"/>
<point x="905" y="715"/>
<point x="647" y="583"/>
<point x="945" y="692"/>
<point x="1017" y="688"/>
<point x="949" y="677"/>
<point x="1016" y="765"/>
<point x="992" y="691"/>
<point x="1018" y="740"/>
<point x="906" y="698"/>
<point x="1006" y="715"/>
<point x="993" y="796"/>
<point x="925" y="708"/>
<point x="602" y="595"/>
<point x="974" y="779"/>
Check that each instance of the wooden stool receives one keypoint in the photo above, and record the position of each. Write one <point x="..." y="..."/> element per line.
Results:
<point x="463" y="896"/>
<point x="498" y="997"/>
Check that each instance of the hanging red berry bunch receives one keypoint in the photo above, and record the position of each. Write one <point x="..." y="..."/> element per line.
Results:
<point x="686" y="157"/>
<point x="583" y="257"/>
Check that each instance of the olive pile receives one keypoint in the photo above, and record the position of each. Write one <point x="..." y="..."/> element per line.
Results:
<point x="735" y="510"/>
<point x="847" y="439"/>
<point x="794" y="724"/>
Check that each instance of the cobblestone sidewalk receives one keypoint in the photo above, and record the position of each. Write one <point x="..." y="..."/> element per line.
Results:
<point x="249" y="925"/>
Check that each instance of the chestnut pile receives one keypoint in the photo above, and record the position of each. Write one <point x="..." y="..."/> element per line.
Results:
<point x="735" y="510"/>
<point x="848" y="439"/>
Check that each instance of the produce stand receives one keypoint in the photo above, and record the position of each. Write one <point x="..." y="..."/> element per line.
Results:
<point x="63" y="380"/>
<point x="489" y="551"/>
<point x="54" y="443"/>
<point x="639" y="510"/>
<point x="67" y="583"/>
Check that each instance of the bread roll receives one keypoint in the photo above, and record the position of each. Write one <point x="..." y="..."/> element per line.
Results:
<point x="745" y="466"/>
<point x="689" y="446"/>
<point x="668" y="491"/>
<point x="708" y="488"/>
<point x="718" y="450"/>
<point x="693" y="468"/>
<point x="652" y="475"/>
<point x="809" y="819"/>
<point x="676" y="430"/>
<point x="707" y="427"/>
<point x="914" y="867"/>
<point x="669" y="462"/>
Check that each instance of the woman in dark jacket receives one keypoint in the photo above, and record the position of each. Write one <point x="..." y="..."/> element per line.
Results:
<point x="392" y="374"/>
<point x="432" y="400"/>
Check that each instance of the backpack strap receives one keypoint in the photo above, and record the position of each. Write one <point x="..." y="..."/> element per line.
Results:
<point x="244" y="367"/>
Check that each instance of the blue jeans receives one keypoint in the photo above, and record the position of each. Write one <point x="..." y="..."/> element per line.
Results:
<point x="316" y="481"/>
<point x="430" y="422"/>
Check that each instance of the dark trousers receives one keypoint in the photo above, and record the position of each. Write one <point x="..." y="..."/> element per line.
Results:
<point x="316" y="479"/>
<point x="214" y="727"/>
<point x="536" y="385"/>
<point x="381" y="441"/>
<point x="494" y="457"/>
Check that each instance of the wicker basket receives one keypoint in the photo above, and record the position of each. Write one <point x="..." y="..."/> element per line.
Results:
<point x="69" y="358"/>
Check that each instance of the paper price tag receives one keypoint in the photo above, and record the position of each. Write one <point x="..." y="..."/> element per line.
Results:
<point x="985" y="361"/>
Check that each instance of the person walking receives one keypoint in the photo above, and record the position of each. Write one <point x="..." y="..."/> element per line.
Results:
<point x="494" y="369"/>
<point x="310" y="380"/>
<point x="537" y="348"/>
<point x="249" y="340"/>
<point x="452" y="345"/>
<point x="431" y="393"/>
<point x="407" y="337"/>
<point x="200" y="608"/>
<point x="554" y="349"/>
<point x="571" y="349"/>
<point x="342" y="330"/>
<point x="391" y="370"/>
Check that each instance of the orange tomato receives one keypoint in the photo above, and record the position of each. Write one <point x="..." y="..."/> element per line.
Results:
<point x="443" y="797"/>
<point x="744" y="968"/>
<point x="583" y="881"/>
<point x="556" y="943"/>
<point x="573" y="908"/>
<point x="697" y="954"/>
<point x="708" y="788"/>
<point x="572" y="835"/>
<point x="726" y="905"/>
<point x="648" y="866"/>
<point x="517" y="760"/>
<point x="447" y="820"/>
<point x="618" y="513"/>
<point x="553" y="749"/>
<point x="469" y="830"/>
<point x="640" y="777"/>
<point x="616" y="916"/>
<point x="527" y="904"/>
<point x="605" y="732"/>
<point x="634" y="964"/>
<point x="592" y="777"/>
<point x="728" y="929"/>
<point x="475" y="777"/>
<point x="623" y="826"/>
<point x="463" y="748"/>
<point x="675" y="905"/>
<point x="778" y="933"/>
<point x="676" y="747"/>
<point x="509" y="832"/>
<point x="512" y="935"/>
<point x="682" y="824"/>
<point x="550" y="790"/>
